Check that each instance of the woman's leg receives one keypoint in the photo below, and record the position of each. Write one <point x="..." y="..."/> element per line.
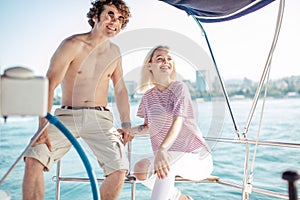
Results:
<point x="141" y="169"/>
<point x="164" y="188"/>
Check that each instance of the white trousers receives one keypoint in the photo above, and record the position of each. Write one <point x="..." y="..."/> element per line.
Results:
<point x="193" y="166"/>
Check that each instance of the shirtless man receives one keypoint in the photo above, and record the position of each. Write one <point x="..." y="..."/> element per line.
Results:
<point x="84" y="64"/>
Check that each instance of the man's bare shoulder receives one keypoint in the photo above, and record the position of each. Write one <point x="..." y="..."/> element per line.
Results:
<point x="76" y="40"/>
<point x="115" y="48"/>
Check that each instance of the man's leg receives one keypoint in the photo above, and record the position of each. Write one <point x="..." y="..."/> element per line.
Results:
<point x="112" y="185"/>
<point x="33" y="181"/>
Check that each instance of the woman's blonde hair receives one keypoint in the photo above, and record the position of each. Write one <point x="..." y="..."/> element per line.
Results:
<point x="147" y="79"/>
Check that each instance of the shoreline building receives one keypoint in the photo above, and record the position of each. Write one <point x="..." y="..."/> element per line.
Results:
<point x="201" y="80"/>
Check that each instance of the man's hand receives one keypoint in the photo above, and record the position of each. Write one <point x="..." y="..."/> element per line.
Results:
<point x="126" y="133"/>
<point x="44" y="138"/>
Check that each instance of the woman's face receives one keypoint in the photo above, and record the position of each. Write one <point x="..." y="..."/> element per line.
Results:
<point x="161" y="63"/>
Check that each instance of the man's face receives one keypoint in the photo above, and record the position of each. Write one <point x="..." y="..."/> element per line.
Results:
<point x="111" y="20"/>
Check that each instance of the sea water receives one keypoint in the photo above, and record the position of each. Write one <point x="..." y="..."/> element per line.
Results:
<point x="279" y="122"/>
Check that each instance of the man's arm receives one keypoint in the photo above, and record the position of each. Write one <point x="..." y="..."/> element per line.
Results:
<point x="122" y="101"/>
<point x="59" y="64"/>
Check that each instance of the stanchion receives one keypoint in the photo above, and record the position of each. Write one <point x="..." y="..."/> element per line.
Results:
<point x="291" y="177"/>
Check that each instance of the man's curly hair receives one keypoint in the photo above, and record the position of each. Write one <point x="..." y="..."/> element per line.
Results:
<point x="98" y="7"/>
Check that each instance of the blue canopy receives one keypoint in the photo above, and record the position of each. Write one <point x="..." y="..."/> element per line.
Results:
<point x="209" y="11"/>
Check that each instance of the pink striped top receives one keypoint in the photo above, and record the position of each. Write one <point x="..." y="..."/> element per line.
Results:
<point x="159" y="108"/>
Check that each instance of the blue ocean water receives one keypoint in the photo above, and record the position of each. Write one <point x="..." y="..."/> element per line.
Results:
<point x="279" y="123"/>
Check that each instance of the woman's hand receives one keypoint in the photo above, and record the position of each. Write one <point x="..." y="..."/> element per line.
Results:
<point x="161" y="164"/>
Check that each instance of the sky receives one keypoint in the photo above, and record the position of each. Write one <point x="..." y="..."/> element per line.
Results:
<point x="31" y="30"/>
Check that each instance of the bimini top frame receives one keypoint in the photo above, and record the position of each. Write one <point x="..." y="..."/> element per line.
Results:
<point x="218" y="10"/>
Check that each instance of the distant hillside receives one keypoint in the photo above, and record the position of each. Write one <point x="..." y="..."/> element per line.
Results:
<point x="286" y="87"/>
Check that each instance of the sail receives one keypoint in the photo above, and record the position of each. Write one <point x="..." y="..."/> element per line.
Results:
<point x="210" y="11"/>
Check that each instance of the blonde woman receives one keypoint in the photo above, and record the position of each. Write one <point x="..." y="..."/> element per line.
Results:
<point x="177" y="143"/>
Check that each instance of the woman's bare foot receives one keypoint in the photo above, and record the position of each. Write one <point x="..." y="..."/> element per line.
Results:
<point x="184" y="197"/>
